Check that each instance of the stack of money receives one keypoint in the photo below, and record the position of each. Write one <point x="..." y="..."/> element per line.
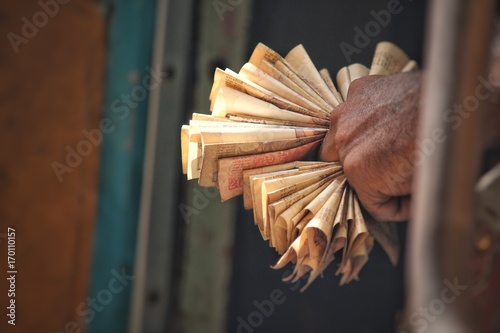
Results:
<point x="260" y="141"/>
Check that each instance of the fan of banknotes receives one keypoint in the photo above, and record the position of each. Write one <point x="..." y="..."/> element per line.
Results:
<point x="260" y="140"/>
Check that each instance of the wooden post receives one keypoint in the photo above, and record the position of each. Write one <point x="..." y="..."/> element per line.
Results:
<point x="441" y="231"/>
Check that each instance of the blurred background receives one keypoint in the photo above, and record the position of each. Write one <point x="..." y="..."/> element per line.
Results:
<point x="110" y="237"/>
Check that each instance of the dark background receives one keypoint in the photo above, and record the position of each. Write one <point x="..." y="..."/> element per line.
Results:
<point x="368" y="305"/>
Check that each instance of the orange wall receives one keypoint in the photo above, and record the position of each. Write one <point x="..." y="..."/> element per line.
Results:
<point x="50" y="90"/>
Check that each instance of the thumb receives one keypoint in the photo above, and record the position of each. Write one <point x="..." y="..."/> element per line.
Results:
<point x="328" y="151"/>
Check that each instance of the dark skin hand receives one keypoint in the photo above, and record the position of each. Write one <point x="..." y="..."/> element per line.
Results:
<point x="373" y="134"/>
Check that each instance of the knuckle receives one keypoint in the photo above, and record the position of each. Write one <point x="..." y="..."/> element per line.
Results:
<point x="341" y="140"/>
<point x="355" y="85"/>
<point x="350" y="165"/>
<point x="335" y="115"/>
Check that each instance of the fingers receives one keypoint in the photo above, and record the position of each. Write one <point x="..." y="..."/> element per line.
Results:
<point x="395" y="209"/>
<point x="391" y="205"/>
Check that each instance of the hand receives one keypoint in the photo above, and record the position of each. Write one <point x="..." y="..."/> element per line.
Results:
<point x="373" y="134"/>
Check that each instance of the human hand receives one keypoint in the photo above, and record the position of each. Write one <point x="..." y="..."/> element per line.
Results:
<point x="373" y="134"/>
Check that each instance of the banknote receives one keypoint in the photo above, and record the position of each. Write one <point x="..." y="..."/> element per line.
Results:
<point x="260" y="141"/>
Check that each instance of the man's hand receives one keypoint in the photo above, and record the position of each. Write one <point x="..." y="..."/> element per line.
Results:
<point x="373" y="134"/>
